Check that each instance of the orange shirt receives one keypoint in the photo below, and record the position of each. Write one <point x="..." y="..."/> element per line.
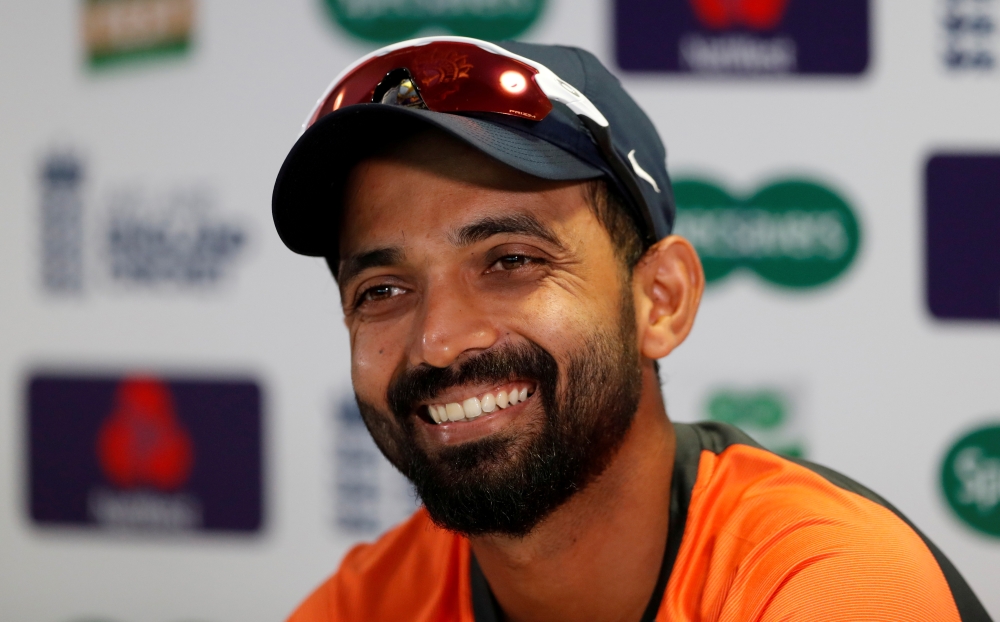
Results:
<point x="753" y="537"/>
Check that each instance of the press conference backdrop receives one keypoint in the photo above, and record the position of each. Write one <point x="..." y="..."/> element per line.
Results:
<point x="178" y="440"/>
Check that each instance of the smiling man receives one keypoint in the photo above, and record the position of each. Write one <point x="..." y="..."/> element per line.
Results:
<point x="498" y="220"/>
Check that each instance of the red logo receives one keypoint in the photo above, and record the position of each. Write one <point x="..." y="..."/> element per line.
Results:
<point x="440" y="71"/>
<point x="142" y="443"/>
<point x="754" y="14"/>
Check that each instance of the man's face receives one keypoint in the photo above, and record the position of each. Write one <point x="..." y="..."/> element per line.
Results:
<point x="493" y="334"/>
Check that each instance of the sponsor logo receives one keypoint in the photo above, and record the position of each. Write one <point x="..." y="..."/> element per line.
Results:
<point x="641" y="172"/>
<point x="766" y="414"/>
<point x="142" y="443"/>
<point x="370" y="495"/>
<point x="145" y="453"/>
<point x="743" y="37"/>
<point x="963" y="236"/>
<point x="124" y="30"/>
<point x="795" y="233"/>
<point x="170" y="238"/>
<point x="969" y="34"/>
<point x="970" y="478"/>
<point x="755" y="14"/>
<point x="137" y="238"/>
<point x="393" y="20"/>
<point x="61" y="211"/>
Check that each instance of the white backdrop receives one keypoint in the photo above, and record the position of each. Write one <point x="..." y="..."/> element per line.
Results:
<point x="880" y="388"/>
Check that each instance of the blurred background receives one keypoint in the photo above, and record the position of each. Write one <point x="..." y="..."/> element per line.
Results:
<point x="178" y="441"/>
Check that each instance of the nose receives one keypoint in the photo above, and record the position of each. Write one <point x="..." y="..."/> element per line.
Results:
<point x="454" y="322"/>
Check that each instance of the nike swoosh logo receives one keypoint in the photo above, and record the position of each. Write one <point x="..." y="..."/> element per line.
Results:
<point x="642" y="173"/>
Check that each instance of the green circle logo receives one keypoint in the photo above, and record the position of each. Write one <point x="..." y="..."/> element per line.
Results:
<point x="796" y="233"/>
<point x="766" y="414"/>
<point x="970" y="477"/>
<point x="383" y="21"/>
<point x="760" y="409"/>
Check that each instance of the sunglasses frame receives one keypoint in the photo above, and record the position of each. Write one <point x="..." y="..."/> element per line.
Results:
<point x="554" y="87"/>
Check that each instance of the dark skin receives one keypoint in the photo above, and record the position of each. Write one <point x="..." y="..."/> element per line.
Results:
<point x="446" y="253"/>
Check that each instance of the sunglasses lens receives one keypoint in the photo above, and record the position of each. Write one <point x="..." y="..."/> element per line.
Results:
<point x="451" y="77"/>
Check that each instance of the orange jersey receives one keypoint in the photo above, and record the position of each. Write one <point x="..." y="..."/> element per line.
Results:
<point x="753" y="537"/>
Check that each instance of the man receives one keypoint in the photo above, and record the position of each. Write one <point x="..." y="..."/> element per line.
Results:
<point x="498" y="221"/>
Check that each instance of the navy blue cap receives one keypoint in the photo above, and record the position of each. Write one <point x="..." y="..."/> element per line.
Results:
<point x="306" y="203"/>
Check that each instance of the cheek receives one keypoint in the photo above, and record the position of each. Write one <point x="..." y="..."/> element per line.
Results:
<point x="561" y="321"/>
<point x="374" y="357"/>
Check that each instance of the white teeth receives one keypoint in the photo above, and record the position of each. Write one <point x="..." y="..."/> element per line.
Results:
<point x="472" y="408"/>
<point x="489" y="403"/>
<point x="454" y="411"/>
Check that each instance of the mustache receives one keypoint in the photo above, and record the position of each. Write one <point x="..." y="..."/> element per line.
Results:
<point x="528" y="361"/>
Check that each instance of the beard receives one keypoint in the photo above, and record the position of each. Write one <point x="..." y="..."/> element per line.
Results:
<point x="509" y="482"/>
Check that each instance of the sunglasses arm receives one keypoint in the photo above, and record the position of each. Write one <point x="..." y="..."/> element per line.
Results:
<point x="557" y="89"/>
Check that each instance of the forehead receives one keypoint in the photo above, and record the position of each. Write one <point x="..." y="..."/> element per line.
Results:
<point x="429" y="187"/>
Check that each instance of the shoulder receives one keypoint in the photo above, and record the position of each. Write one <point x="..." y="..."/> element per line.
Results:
<point x="417" y="571"/>
<point x="775" y="537"/>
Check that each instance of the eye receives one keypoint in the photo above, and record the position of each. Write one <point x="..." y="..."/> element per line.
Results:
<point x="512" y="262"/>
<point x="379" y="293"/>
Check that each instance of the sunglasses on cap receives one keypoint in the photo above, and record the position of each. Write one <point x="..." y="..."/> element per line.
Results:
<point x="462" y="75"/>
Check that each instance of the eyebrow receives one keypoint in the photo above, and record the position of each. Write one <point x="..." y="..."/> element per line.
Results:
<point x="485" y="228"/>
<point x="353" y="265"/>
<point x="524" y="224"/>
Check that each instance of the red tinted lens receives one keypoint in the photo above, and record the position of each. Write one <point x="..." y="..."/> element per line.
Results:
<point x="451" y="77"/>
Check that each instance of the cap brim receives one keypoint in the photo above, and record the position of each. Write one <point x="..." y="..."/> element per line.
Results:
<point x="306" y="203"/>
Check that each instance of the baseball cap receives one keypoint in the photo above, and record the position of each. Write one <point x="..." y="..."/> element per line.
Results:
<point x="308" y="192"/>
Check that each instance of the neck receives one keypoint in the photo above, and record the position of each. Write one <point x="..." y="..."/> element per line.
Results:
<point x="598" y="556"/>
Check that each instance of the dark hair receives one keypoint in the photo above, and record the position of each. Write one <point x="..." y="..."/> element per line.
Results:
<point x="613" y="213"/>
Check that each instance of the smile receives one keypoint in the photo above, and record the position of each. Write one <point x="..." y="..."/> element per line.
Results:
<point x="478" y="405"/>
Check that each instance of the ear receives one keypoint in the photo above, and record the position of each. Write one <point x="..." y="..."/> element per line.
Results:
<point x="667" y="284"/>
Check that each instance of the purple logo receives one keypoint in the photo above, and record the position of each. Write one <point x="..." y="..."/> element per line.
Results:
<point x="743" y="37"/>
<point x="141" y="452"/>
<point x="963" y="236"/>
